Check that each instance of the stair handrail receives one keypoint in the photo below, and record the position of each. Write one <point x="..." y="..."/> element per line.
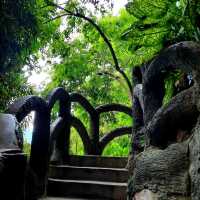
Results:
<point x="39" y="156"/>
<point x="61" y="144"/>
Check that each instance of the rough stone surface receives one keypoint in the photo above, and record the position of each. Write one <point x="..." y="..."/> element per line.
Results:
<point x="172" y="173"/>
<point x="195" y="163"/>
<point x="145" y="195"/>
<point x="148" y="195"/>
<point x="179" y="113"/>
<point x="164" y="172"/>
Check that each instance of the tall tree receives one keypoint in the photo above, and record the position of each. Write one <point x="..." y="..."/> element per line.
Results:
<point x="21" y="36"/>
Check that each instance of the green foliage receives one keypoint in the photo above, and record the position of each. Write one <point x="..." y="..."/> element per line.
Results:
<point x="29" y="32"/>
<point x="86" y="63"/>
<point x="112" y="120"/>
<point x="23" y="32"/>
<point x="18" y="25"/>
<point x="12" y="85"/>
<point x="170" y="85"/>
<point x="87" y="67"/>
<point x="27" y="148"/>
<point x="76" y="145"/>
<point x="118" y="147"/>
<point x="160" y="23"/>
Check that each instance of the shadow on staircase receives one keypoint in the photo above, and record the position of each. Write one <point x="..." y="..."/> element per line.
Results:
<point x="89" y="177"/>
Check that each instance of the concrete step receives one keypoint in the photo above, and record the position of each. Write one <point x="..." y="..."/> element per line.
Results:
<point x="67" y="198"/>
<point x="88" y="173"/>
<point x="97" y="161"/>
<point x="87" y="189"/>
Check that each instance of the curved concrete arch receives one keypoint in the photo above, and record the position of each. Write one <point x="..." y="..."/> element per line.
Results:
<point x="61" y="146"/>
<point x="94" y="117"/>
<point x="114" y="107"/>
<point x="107" y="138"/>
<point x="40" y="137"/>
<point x="82" y="131"/>
<point x="61" y="95"/>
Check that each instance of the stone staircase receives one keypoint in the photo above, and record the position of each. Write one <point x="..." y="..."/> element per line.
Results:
<point x="88" y="177"/>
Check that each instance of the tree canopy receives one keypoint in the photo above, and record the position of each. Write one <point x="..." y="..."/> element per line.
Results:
<point x="159" y="24"/>
<point x="23" y="32"/>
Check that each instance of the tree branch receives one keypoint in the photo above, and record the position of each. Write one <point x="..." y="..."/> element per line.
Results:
<point x="106" y="40"/>
<point x="57" y="17"/>
<point x="106" y="73"/>
<point x="146" y="34"/>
